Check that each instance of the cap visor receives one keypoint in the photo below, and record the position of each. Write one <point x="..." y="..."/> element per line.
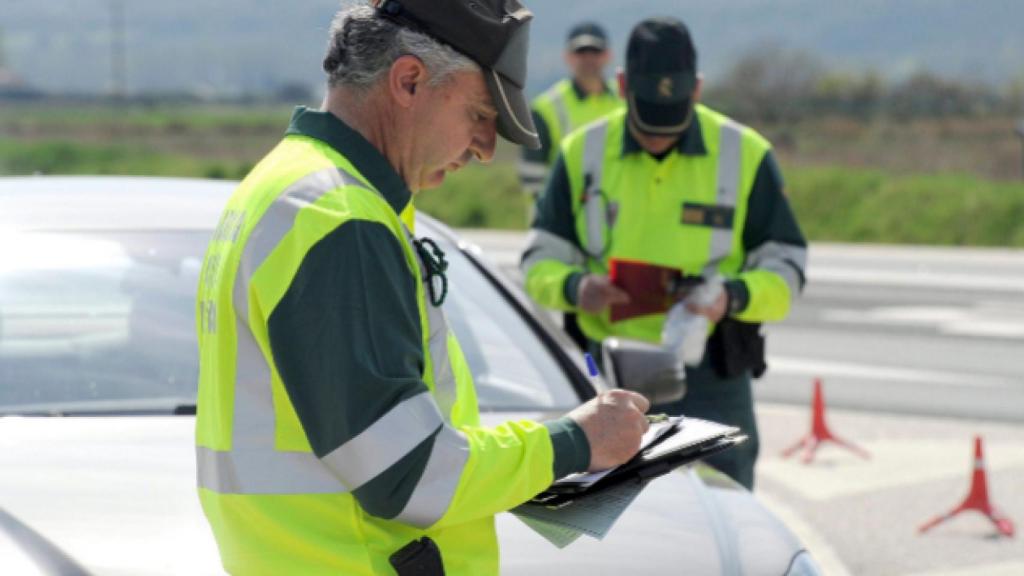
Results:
<point x="515" y="123"/>
<point x="587" y="42"/>
<point x="660" y="119"/>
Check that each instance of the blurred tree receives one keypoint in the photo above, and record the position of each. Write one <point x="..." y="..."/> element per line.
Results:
<point x="859" y="96"/>
<point x="925" y="94"/>
<point x="771" y="83"/>
<point x="1015" y="97"/>
<point x="774" y="84"/>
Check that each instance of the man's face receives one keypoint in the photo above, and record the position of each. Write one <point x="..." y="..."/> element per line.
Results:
<point x="455" y="123"/>
<point x="587" y="63"/>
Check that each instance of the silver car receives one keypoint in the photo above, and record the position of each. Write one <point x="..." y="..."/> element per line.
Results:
<point x="98" y="370"/>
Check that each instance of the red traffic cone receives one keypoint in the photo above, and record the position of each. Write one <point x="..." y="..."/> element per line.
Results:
<point x="820" y="432"/>
<point x="977" y="499"/>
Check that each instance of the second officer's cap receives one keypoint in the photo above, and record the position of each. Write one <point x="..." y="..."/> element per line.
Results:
<point x="661" y="75"/>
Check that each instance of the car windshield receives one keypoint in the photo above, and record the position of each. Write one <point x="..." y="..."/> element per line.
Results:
<point x="104" y="323"/>
<point x="98" y="322"/>
<point x="511" y="366"/>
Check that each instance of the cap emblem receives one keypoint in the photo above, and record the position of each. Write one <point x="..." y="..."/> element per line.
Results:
<point x="665" y="87"/>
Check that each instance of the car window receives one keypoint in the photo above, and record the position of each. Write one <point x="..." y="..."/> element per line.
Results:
<point x="98" y="319"/>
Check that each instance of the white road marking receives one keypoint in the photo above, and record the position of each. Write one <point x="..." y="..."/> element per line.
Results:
<point x="982" y="320"/>
<point x="915" y="279"/>
<point x="825" y="368"/>
<point x="899" y="315"/>
<point x="991" y="329"/>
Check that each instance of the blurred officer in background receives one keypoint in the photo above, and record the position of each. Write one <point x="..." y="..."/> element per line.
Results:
<point x="570" y="103"/>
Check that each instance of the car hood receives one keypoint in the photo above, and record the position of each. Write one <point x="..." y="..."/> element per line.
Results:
<point x="118" y="493"/>
<point x="115" y="494"/>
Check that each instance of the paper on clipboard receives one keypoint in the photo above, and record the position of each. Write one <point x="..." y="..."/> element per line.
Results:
<point x="693" y="431"/>
<point x="655" y="432"/>
<point x="593" y="516"/>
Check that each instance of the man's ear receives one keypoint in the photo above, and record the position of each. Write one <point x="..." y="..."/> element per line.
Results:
<point x="620" y="75"/>
<point x="406" y="74"/>
<point x="699" y="89"/>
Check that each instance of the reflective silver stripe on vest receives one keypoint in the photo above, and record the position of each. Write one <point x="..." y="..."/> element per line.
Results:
<point x="786" y="260"/>
<point x="385" y="442"/>
<point x="253" y="466"/>
<point x="593" y="198"/>
<point x="562" y="112"/>
<point x="437" y="323"/>
<point x="542" y="245"/>
<point x="253" y="425"/>
<point x="264" y="472"/>
<point x="444" y="377"/>
<point x="730" y="161"/>
<point x="436" y="488"/>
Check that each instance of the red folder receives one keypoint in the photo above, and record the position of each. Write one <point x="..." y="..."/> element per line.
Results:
<point x="649" y="287"/>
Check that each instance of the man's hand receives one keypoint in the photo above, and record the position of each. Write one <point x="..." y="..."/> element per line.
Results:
<point x="614" y="422"/>
<point x="714" y="312"/>
<point x="595" y="293"/>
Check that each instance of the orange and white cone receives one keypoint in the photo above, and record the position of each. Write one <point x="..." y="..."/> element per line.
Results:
<point x="977" y="499"/>
<point x="820" y="432"/>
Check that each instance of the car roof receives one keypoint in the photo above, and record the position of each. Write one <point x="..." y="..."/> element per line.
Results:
<point x="83" y="203"/>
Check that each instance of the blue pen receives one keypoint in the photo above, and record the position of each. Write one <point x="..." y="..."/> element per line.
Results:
<point x="591" y="364"/>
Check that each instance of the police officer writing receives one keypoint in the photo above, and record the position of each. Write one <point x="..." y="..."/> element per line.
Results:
<point x="571" y="102"/>
<point x="337" y="428"/>
<point x="671" y="183"/>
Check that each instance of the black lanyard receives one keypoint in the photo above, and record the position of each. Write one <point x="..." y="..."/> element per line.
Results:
<point x="435" y="265"/>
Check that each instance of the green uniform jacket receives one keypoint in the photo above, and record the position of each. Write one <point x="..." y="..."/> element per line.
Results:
<point x="337" y="416"/>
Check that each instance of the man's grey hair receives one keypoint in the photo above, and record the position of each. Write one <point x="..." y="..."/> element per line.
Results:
<point x="363" y="46"/>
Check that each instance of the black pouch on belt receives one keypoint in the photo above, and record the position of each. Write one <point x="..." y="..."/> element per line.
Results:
<point x="736" y="347"/>
<point x="418" y="558"/>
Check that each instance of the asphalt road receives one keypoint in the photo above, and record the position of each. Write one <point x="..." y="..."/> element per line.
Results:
<point x="916" y="331"/>
<point x="924" y="331"/>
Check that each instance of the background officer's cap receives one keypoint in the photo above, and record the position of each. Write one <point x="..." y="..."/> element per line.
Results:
<point x="661" y="74"/>
<point x="587" y="36"/>
<point x="495" y="34"/>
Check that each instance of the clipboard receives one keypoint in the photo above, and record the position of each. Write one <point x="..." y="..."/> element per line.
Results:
<point x="691" y="439"/>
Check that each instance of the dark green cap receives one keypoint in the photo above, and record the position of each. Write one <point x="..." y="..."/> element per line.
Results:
<point x="661" y="74"/>
<point x="493" y="33"/>
<point x="587" y="36"/>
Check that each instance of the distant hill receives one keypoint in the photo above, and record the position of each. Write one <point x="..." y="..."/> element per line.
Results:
<point x="236" y="47"/>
